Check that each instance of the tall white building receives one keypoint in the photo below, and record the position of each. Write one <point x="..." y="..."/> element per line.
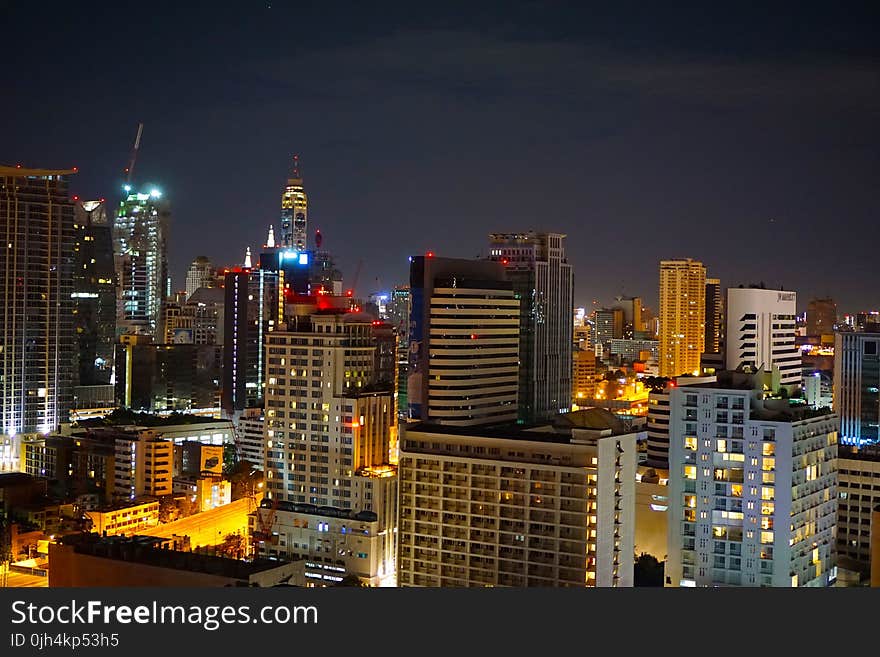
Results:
<point x="249" y="435"/>
<point x="752" y="487"/>
<point x="542" y="278"/>
<point x="201" y="274"/>
<point x="761" y="332"/>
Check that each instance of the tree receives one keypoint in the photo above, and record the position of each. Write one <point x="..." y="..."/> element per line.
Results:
<point x="648" y="571"/>
<point x="352" y="580"/>
<point x="233" y="546"/>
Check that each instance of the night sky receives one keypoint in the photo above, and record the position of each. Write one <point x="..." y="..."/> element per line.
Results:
<point x="746" y="139"/>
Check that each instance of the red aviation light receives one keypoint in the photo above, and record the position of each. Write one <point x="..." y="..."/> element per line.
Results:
<point x="473" y="336"/>
<point x="429" y="254"/>
<point x="349" y="293"/>
<point x="504" y="261"/>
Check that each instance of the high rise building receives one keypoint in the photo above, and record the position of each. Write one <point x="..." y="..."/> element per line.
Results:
<point x="658" y="418"/>
<point x="199" y="320"/>
<point x="821" y="316"/>
<point x="714" y="316"/>
<point x="542" y="279"/>
<point x="253" y="307"/>
<point x="464" y="342"/>
<point x="583" y="376"/>
<point x="857" y="387"/>
<point x="632" y="315"/>
<point x="752" y="487"/>
<point x="682" y="316"/>
<point x="330" y="422"/>
<point x="250" y="436"/>
<point x="399" y="309"/>
<point x="201" y="274"/>
<point x="503" y="506"/>
<point x="140" y="234"/>
<point x="609" y="325"/>
<point x="761" y="332"/>
<point x="94" y="292"/>
<point x="143" y="466"/>
<point x="294" y="211"/>
<point x="36" y="332"/>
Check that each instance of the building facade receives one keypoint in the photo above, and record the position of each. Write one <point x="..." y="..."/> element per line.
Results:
<point x="464" y="342"/>
<point x="821" y="316"/>
<point x="682" y="332"/>
<point x="752" y="488"/>
<point x="761" y="332"/>
<point x="38" y="356"/>
<point x="536" y="265"/>
<point x="201" y="274"/>
<point x="516" y="508"/>
<point x="857" y="387"/>
<point x="294" y="211"/>
<point x="714" y="316"/>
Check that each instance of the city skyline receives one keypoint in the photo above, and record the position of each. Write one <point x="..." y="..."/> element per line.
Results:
<point x="764" y="139"/>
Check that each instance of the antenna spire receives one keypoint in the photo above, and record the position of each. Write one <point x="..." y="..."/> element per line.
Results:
<point x="247" y="258"/>
<point x="295" y="165"/>
<point x="271" y="241"/>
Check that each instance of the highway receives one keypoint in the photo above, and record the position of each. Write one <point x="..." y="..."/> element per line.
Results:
<point x="208" y="527"/>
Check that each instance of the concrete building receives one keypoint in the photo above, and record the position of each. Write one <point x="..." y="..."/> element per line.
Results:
<point x="201" y="274"/>
<point x="633" y="322"/>
<point x="821" y="316"/>
<point x="627" y="351"/>
<point x="761" y="332"/>
<point x="205" y="492"/>
<point x="144" y="466"/>
<point x="547" y="506"/>
<point x="682" y="331"/>
<point x="125" y="519"/>
<point x="714" y="316"/>
<point x="250" y="437"/>
<point x="199" y="320"/>
<point x="658" y="419"/>
<point x="542" y="278"/>
<point x="38" y="356"/>
<point x="140" y="233"/>
<point x="583" y="376"/>
<point x="609" y="323"/>
<point x="81" y="465"/>
<point x="752" y="487"/>
<point x="857" y="387"/>
<point x="858" y="485"/>
<point x="464" y="342"/>
<point x="652" y="504"/>
<point x="92" y="561"/>
<point x="335" y="542"/>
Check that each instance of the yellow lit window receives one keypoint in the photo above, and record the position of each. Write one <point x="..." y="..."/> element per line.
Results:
<point x="766" y="537"/>
<point x="690" y="501"/>
<point x="722" y="445"/>
<point x="815" y="555"/>
<point x="767" y="508"/>
<point x="767" y="493"/>
<point x="812" y="472"/>
<point x="769" y="449"/>
<point x="690" y="472"/>
<point x="736" y="490"/>
<point x="769" y="463"/>
<point x="690" y="442"/>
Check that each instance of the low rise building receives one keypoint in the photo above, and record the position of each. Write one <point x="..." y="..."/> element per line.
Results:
<point x="125" y="520"/>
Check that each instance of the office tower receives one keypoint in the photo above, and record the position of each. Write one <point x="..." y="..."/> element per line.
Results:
<point x="464" y="342"/>
<point x="856" y="386"/>
<point x="252" y="308"/>
<point x="324" y="275"/>
<point x="201" y="274"/>
<point x="752" y="487"/>
<point x="858" y="497"/>
<point x="140" y="234"/>
<point x="94" y="293"/>
<point x="817" y="389"/>
<point x="714" y="316"/>
<point x="82" y="466"/>
<point x="609" y="325"/>
<point x="38" y="356"/>
<point x="632" y="315"/>
<point x="399" y="309"/>
<point x="164" y="378"/>
<point x="821" y="316"/>
<point x="505" y="506"/>
<point x="761" y="332"/>
<point x="542" y="279"/>
<point x="682" y="316"/>
<point x="294" y="211"/>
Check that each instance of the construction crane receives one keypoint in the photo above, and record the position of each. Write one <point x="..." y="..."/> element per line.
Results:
<point x="354" y="281"/>
<point x="129" y="170"/>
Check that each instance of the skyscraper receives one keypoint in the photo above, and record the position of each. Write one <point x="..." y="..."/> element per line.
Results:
<point x="294" y="211"/>
<point x="201" y="274"/>
<point x="752" y="487"/>
<point x="140" y="235"/>
<point x="761" y="332"/>
<point x="464" y="342"/>
<point x="857" y="387"/>
<point x="682" y="316"/>
<point x="714" y="316"/>
<point x="94" y="293"/>
<point x="542" y="279"/>
<point x="36" y="330"/>
<point x="252" y="308"/>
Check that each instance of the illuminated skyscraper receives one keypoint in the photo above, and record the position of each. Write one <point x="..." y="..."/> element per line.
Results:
<point x="714" y="316"/>
<point x="140" y="233"/>
<point x="682" y="316"/>
<point x="294" y="211"/>
<point x="536" y="265"/>
<point x="36" y="329"/>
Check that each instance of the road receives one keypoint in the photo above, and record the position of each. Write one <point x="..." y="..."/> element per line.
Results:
<point x="208" y="527"/>
<point x="18" y="580"/>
